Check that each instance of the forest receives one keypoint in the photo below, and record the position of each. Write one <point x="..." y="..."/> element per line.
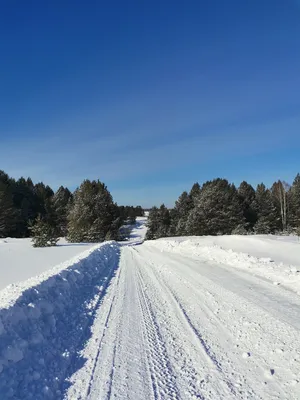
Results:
<point x="88" y="214"/>
<point x="219" y="208"/>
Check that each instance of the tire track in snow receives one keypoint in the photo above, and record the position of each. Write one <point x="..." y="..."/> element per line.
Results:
<point x="102" y="338"/>
<point x="82" y="386"/>
<point x="130" y="373"/>
<point x="204" y="345"/>
<point x="221" y="360"/>
<point x="122" y="368"/>
<point x="227" y="364"/>
<point x="162" y="375"/>
<point x="193" y="382"/>
<point x="247" y="328"/>
<point x="198" y="286"/>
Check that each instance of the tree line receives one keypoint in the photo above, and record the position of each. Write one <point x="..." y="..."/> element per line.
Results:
<point x="219" y="208"/>
<point x="89" y="214"/>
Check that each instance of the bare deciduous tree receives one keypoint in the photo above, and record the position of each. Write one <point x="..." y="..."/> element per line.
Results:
<point x="280" y="190"/>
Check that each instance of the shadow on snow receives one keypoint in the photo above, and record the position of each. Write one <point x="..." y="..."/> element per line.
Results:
<point x="43" y="332"/>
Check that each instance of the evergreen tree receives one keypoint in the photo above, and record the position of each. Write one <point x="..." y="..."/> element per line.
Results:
<point x="132" y="216"/>
<point x="153" y="223"/>
<point x="295" y="203"/>
<point x="43" y="233"/>
<point x="180" y="214"/>
<point x="173" y="224"/>
<point x="27" y="203"/>
<point x="4" y="178"/>
<point x="24" y="204"/>
<point x="43" y="194"/>
<point x="195" y="224"/>
<point x="217" y="210"/>
<point x="92" y="213"/>
<point x="61" y="204"/>
<point x="195" y="191"/>
<point x="247" y="196"/>
<point x="139" y="212"/>
<point x="129" y="213"/>
<point x="268" y="214"/>
<point x="122" y="214"/>
<point x="117" y="222"/>
<point x="7" y="211"/>
<point x="164" y="221"/>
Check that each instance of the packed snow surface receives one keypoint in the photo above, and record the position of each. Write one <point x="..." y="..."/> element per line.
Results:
<point x="138" y="232"/>
<point x="182" y="318"/>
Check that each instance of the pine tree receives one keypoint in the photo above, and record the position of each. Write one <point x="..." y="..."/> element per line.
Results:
<point x="196" y="222"/>
<point x="4" y="178"/>
<point x="43" y="233"/>
<point x="247" y="196"/>
<point x="217" y="210"/>
<point x="117" y="221"/>
<point x="164" y="221"/>
<point x="153" y="223"/>
<point x="61" y="203"/>
<point x="195" y="191"/>
<point x="8" y="215"/>
<point x="268" y="214"/>
<point x="92" y="213"/>
<point x="295" y="203"/>
<point x="42" y="194"/>
<point x="180" y="214"/>
<point x="139" y="212"/>
<point x="28" y="201"/>
<point x="132" y="216"/>
<point x="21" y="201"/>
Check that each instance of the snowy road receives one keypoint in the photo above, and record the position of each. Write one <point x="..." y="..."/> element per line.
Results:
<point x="177" y="327"/>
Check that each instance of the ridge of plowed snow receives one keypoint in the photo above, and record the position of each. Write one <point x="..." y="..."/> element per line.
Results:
<point x="265" y="267"/>
<point x="46" y="320"/>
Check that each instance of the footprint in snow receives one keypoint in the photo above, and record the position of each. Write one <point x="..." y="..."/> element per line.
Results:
<point x="269" y="373"/>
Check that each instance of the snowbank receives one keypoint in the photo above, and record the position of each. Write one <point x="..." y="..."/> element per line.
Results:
<point x="274" y="258"/>
<point x="45" y="321"/>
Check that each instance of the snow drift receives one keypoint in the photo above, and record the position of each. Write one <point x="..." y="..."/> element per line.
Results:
<point x="45" y="322"/>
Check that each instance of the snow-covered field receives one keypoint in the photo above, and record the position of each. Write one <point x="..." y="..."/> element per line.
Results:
<point x="183" y="318"/>
<point x="20" y="261"/>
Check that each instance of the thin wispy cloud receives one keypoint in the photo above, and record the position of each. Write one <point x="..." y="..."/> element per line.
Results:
<point x="125" y="157"/>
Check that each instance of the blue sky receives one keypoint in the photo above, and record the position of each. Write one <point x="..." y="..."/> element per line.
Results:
<point x="150" y="96"/>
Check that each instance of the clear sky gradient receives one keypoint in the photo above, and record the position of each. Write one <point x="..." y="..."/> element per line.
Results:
<point x="150" y="96"/>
